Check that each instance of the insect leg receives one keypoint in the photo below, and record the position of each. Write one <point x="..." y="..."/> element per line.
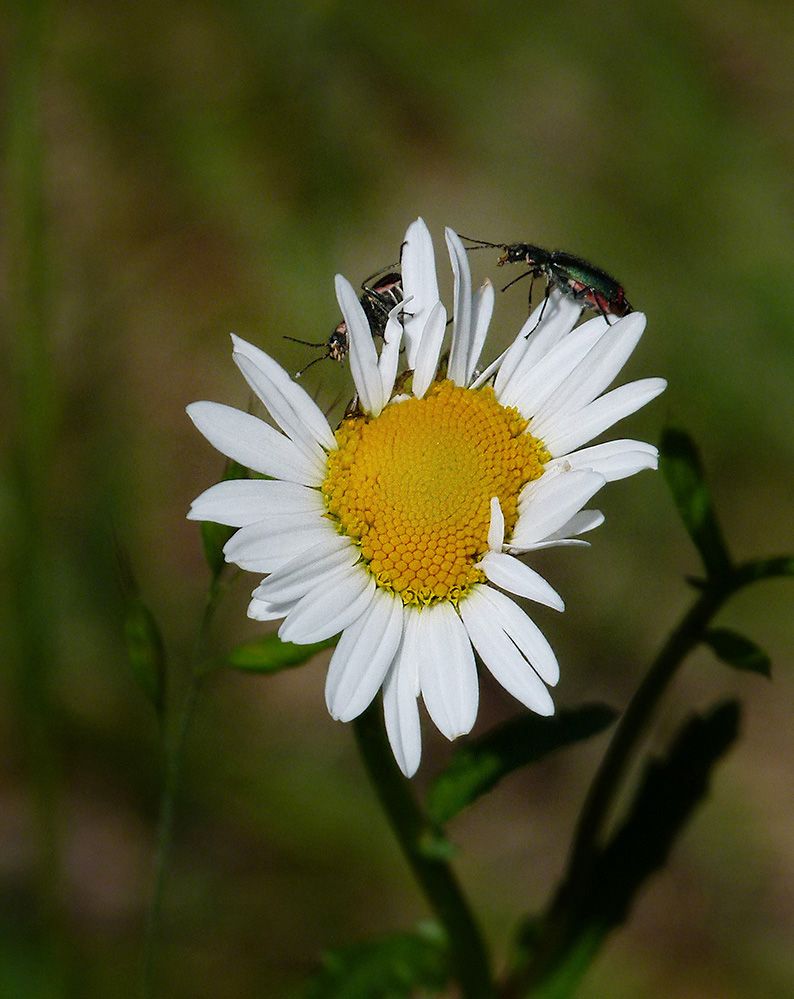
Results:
<point x="529" y="273"/>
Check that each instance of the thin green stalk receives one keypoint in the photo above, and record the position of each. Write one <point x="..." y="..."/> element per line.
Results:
<point x="545" y="974"/>
<point x="631" y="727"/>
<point x="174" y="758"/>
<point x="688" y="634"/>
<point x="554" y="959"/>
<point x="414" y="832"/>
<point x="165" y="830"/>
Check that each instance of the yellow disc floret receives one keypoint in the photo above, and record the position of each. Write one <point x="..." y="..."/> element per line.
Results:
<point x="413" y="487"/>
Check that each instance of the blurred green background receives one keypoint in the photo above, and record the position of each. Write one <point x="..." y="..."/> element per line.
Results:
<point x="176" y="171"/>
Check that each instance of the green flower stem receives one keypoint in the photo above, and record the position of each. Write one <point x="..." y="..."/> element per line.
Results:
<point x="546" y="975"/>
<point x="165" y="829"/>
<point x="174" y="757"/>
<point x="606" y="784"/>
<point x="415" y="834"/>
<point x="688" y="634"/>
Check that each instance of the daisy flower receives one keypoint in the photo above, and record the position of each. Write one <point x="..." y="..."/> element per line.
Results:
<point x="401" y="530"/>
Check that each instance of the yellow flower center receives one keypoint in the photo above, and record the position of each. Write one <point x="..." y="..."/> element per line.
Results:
<point x="413" y="487"/>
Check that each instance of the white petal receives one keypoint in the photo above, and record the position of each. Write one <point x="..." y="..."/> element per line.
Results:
<point x="362" y="353"/>
<point x="488" y="372"/>
<point x="363" y="656"/>
<point x="308" y="447"/>
<point x="561" y="315"/>
<point x="429" y="350"/>
<point x="584" y="520"/>
<point x="485" y="626"/>
<point x="263" y="610"/>
<point x="291" y="406"/>
<point x="612" y="459"/>
<point x="496" y="529"/>
<point x="330" y="608"/>
<point x="390" y="355"/>
<point x="509" y="574"/>
<point x="418" y="266"/>
<point x="538" y="545"/>
<point x="447" y="671"/>
<point x="400" y="692"/>
<point x="568" y="431"/>
<point x="308" y="569"/>
<point x="461" y="323"/>
<point x="530" y="388"/>
<point x="519" y="357"/>
<point x="580" y="523"/>
<point x="253" y="443"/>
<point x="529" y="639"/>
<point x="269" y="544"/>
<point x="599" y="369"/>
<point x="536" y="339"/>
<point x="481" y="312"/>
<point x="506" y="364"/>
<point x="239" y="502"/>
<point x="531" y="489"/>
<point x="552" y="501"/>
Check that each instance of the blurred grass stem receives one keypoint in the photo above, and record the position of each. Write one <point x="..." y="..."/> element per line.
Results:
<point x="30" y="534"/>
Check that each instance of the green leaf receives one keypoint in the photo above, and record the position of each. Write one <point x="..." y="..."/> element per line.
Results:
<point x="145" y="651"/>
<point x="766" y="568"/>
<point x="397" y="966"/>
<point x="479" y="765"/>
<point x="737" y="651"/>
<point x="269" y="654"/>
<point x="680" y="464"/>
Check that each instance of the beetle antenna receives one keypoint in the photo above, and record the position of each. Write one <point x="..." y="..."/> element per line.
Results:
<point x="377" y="274"/>
<point x="482" y="244"/>
<point x="304" y="342"/>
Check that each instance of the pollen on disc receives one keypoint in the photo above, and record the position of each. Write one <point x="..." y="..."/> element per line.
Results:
<point x="413" y="487"/>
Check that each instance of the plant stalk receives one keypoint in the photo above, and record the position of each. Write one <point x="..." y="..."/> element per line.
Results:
<point x="545" y="974"/>
<point x="414" y="833"/>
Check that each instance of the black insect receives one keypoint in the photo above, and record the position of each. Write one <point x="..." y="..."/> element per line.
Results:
<point x="585" y="282"/>
<point x="380" y="293"/>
